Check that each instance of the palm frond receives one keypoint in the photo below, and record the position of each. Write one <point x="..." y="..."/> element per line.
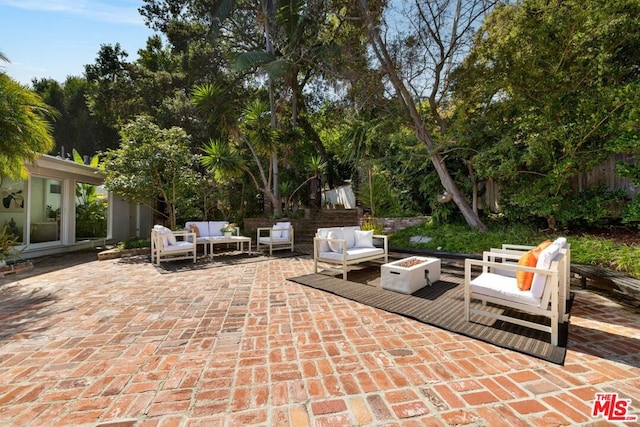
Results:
<point x="248" y="60"/>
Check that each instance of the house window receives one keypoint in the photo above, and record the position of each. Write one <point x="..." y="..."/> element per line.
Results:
<point x="12" y="207"/>
<point x="45" y="210"/>
<point x="91" y="211"/>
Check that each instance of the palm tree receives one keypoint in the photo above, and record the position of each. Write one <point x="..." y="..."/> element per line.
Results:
<point x="24" y="129"/>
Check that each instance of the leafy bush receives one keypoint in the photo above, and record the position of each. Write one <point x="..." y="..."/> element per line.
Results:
<point x="134" y="244"/>
<point x="459" y="238"/>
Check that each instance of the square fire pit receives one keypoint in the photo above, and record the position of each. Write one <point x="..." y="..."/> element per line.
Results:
<point x="410" y="274"/>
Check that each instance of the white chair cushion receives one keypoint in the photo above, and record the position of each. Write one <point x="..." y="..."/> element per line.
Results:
<point x="278" y="240"/>
<point x="215" y="227"/>
<point x="364" y="239"/>
<point x="323" y="246"/>
<point x="335" y="246"/>
<point x="351" y="254"/>
<point x="349" y="234"/>
<point x="178" y="247"/>
<point x="203" y="227"/>
<point x="168" y="238"/>
<point x="499" y="286"/>
<point x="281" y="229"/>
<point x="561" y="242"/>
<point x="544" y="261"/>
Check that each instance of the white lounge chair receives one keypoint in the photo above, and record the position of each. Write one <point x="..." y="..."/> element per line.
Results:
<point x="167" y="245"/>
<point x="565" y="285"/>
<point x="492" y="286"/>
<point x="280" y="236"/>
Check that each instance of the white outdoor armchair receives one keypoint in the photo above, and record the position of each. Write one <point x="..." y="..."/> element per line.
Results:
<point x="167" y="245"/>
<point x="490" y="283"/>
<point x="280" y="236"/>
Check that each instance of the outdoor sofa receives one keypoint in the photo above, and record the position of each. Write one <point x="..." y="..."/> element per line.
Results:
<point x="342" y="247"/>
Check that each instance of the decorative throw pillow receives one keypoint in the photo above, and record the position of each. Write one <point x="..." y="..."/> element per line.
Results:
<point x="194" y="229"/>
<point x="524" y="278"/>
<point x="334" y="245"/>
<point x="364" y="239"/>
<point x="529" y="259"/>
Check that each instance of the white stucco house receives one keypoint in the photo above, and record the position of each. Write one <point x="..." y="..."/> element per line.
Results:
<point x="62" y="206"/>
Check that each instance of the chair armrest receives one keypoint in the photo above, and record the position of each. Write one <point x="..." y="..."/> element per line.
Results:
<point x="317" y="240"/>
<point x="385" y="240"/>
<point x="505" y="255"/>
<point x="259" y="230"/>
<point x="468" y="263"/>
<point x="521" y="248"/>
<point x="186" y="235"/>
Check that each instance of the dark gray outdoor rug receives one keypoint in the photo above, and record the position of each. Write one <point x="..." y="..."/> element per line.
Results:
<point x="221" y="259"/>
<point x="441" y="305"/>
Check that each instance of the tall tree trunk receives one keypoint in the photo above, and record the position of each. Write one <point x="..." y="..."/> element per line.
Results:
<point x="277" y="207"/>
<point x="407" y="101"/>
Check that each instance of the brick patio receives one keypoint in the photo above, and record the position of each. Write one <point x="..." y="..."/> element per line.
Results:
<point x="109" y="343"/>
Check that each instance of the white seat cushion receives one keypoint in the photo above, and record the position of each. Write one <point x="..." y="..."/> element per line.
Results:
<point x="274" y="240"/>
<point x="178" y="247"/>
<point x="352" y="254"/>
<point x="498" y="286"/>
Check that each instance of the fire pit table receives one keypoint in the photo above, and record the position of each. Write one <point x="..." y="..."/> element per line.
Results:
<point x="409" y="274"/>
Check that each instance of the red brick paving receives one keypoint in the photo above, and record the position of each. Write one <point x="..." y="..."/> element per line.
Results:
<point x="111" y="343"/>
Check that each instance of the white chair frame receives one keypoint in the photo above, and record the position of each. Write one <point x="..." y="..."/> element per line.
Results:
<point x="565" y="284"/>
<point x="274" y="244"/>
<point x="186" y="249"/>
<point x="548" y="307"/>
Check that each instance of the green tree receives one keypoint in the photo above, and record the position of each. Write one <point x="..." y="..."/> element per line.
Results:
<point x="417" y="60"/>
<point x="255" y="139"/>
<point x="75" y="127"/>
<point x="25" y="131"/>
<point x="153" y="165"/>
<point x="550" y="90"/>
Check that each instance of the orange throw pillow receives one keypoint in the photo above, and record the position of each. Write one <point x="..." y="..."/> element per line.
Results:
<point x="194" y="229"/>
<point x="529" y="259"/>
<point x="524" y="278"/>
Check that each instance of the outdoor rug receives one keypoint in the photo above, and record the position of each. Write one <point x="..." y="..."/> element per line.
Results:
<point x="221" y="259"/>
<point x="441" y="305"/>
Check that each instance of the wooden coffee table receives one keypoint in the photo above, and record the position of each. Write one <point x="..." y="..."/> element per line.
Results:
<point x="210" y="242"/>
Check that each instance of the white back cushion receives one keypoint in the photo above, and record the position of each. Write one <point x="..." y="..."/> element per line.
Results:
<point x="323" y="246"/>
<point x="364" y="239"/>
<point x="349" y="235"/>
<point x="215" y="227"/>
<point x="544" y="261"/>
<point x="561" y="242"/>
<point x="282" y="230"/>
<point x="167" y="235"/>
<point x="203" y="227"/>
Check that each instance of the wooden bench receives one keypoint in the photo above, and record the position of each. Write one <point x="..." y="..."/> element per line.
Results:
<point x="614" y="280"/>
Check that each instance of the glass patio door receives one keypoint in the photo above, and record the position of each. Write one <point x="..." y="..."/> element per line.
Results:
<point x="45" y="201"/>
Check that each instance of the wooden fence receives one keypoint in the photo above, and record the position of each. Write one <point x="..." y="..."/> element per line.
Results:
<point x="605" y="173"/>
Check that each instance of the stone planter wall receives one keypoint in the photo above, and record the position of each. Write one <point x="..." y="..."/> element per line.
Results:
<point x="393" y="225"/>
<point x="16" y="268"/>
